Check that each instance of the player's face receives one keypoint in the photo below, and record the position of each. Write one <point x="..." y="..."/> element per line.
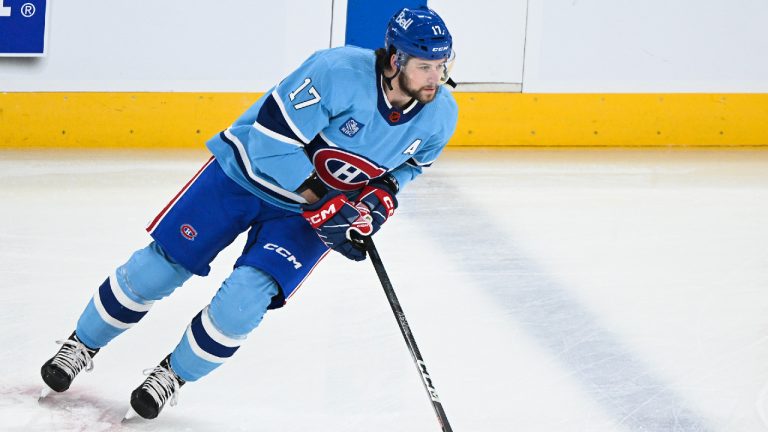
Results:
<point x="420" y="78"/>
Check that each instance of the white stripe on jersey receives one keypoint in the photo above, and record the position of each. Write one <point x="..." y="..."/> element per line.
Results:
<point x="249" y="170"/>
<point x="421" y="164"/>
<point x="288" y="120"/>
<point x="274" y="135"/>
<point x="413" y="105"/>
<point x="327" y="140"/>
<point x="384" y="93"/>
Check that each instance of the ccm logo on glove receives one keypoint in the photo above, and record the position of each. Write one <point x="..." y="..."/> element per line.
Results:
<point x="379" y="197"/>
<point x="327" y="211"/>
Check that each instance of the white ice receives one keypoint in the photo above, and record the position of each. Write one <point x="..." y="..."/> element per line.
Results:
<point x="548" y="290"/>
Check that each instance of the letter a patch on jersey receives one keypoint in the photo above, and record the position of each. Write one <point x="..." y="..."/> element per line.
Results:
<point x="412" y="148"/>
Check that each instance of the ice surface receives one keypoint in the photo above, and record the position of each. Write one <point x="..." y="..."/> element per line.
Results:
<point x="548" y="290"/>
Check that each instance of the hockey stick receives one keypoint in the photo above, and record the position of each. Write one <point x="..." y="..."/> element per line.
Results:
<point x="406" y="331"/>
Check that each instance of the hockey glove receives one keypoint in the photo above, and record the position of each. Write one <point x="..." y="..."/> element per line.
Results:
<point x="379" y="197"/>
<point x="334" y="218"/>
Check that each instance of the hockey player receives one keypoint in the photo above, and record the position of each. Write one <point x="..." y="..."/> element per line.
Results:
<point x="321" y="155"/>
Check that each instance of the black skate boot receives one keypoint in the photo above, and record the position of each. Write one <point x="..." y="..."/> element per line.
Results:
<point x="61" y="369"/>
<point x="161" y="385"/>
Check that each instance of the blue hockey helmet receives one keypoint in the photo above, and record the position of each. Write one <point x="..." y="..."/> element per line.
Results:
<point x="419" y="33"/>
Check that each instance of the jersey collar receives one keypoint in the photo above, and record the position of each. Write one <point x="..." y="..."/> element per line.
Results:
<point x="393" y="115"/>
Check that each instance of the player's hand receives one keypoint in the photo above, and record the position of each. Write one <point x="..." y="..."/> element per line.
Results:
<point x="379" y="198"/>
<point x="334" y="218"/>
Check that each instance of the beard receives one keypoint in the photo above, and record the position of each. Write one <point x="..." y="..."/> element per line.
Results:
<point x="418" y="94"/>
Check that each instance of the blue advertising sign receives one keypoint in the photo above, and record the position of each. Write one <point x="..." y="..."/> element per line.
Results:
<point x="367" y="20"/>
<point x="23" y="27"/>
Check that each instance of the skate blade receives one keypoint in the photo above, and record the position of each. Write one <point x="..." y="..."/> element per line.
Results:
<point x="44" y="393"/>
<point x="130" y="415"/>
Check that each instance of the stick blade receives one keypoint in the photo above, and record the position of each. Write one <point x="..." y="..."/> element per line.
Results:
<point x="44" y="393"/>
<point x="130" y="415"/>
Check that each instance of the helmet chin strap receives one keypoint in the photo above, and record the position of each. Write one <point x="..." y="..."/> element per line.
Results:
<point x="388" y="80"/>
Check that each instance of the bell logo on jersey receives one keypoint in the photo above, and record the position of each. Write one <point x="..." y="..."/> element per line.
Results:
<point x="351" y="127"/>
<point x="344" y="171"/>
<point x="188" y="231"/>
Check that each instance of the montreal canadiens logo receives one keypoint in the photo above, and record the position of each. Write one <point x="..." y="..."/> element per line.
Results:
<point x="188" y="231"/>
<point x="344" y="171"/>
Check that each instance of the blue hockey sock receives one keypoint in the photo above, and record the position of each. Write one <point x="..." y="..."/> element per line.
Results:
<point x="217" y="331"/>
<point x="127" y="295"/>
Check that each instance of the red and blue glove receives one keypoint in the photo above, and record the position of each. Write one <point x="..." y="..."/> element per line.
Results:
<point x="379" y="197"/>
<point x="334" y="219"/>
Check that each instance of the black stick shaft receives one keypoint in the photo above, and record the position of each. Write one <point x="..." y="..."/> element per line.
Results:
<point x="407" y="334"/>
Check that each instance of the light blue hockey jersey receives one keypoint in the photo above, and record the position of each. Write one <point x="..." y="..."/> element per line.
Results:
<point x="331" y="116"/>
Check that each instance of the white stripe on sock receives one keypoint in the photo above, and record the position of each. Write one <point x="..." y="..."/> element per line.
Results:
<point x="106" y="316"/>
<point x="217" y="335"/>
<point x="124" y="299"/>
<point x="203" y="354"/>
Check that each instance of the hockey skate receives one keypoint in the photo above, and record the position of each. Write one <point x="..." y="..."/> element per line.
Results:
<point x="162" y="385"/>
<point x="59" y="372"/>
